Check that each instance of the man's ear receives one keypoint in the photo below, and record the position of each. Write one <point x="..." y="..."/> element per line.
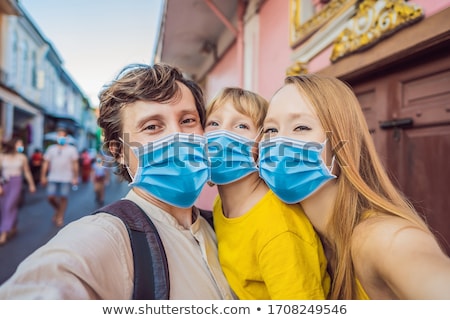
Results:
<point x="115" y="148"/>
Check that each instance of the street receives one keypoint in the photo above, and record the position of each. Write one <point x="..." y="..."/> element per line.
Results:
<point x="35" y="225"/>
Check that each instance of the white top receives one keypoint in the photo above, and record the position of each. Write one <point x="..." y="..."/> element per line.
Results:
<point x="91" y="258"/>
<point x="61" y="162"/>
<point x="12" y="165"/>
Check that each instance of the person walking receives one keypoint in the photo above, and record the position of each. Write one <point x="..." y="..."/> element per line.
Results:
<point x="14" y="167"/>
<point x="61" y="165"/>
<point x="100" y="178"/>
<point x="36" y="160"/>
<point x="85" y="165"/>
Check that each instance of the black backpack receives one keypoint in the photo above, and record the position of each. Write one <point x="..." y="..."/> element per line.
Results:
<point x="151" y="271"/>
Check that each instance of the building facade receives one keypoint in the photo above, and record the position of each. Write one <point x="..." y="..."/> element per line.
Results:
<point x="393" y="53"/>
<point x="37" y="94"/>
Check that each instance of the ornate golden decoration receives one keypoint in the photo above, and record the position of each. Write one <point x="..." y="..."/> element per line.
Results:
<point x="296" y="68"/>
<point x="300" y="30"/>
<point x="374" y="20"/>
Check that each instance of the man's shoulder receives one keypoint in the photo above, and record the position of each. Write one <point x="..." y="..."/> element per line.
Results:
<point x="50" y="150"/>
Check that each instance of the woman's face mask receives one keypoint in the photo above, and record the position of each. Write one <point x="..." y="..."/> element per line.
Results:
<point x="293" y="169"/>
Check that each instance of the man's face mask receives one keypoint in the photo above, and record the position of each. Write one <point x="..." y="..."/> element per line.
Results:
<point x="173" y="169"/>
<point x="61" y="140"/>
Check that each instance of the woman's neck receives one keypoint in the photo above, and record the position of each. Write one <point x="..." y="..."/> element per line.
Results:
<point x="240" y="196"/>
<point x="319" y="207"/>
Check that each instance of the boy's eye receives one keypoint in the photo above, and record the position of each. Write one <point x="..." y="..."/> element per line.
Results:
<point x="242" y="126"/>
<point x="212" y="124"/>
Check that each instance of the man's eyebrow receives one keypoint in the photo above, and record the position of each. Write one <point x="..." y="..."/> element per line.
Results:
<point x="147" y="118"/>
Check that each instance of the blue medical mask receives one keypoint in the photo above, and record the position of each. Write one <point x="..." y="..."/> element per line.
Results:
<point x="293" y="169"/>
<point x="20" y="149"/>
<point x="61" y="140"/>
<point x="230" y="156"/>
<point x="173" y="169"/>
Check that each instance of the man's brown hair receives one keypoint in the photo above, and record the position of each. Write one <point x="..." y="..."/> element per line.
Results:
<point x="140" y="82"/>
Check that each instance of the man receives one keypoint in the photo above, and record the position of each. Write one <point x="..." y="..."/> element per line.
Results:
<point x="144" y="113"/>
<point x="61" y="164"/>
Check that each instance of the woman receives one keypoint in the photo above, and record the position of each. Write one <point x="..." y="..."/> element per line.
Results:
<point x="377" y="245"/>
<point x="14" y="165"/>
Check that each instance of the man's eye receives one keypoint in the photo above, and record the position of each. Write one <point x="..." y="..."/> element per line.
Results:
<point x="151" y="127"/>
<point x="190" y="120"/>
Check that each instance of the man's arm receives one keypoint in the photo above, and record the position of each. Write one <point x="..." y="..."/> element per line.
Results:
<point x="75" y="170"/>
<point x="44" y="170"/>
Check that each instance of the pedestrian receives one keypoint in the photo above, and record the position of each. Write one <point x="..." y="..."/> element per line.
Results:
<point x="100" y="179"/>
<point x="14" y="168"/>
<point x="152" y="119"/>
<point x="318" y="152"/>
<point x="267" y="249"/>
<point x="36" y="160"/>
<point x="85" y="165"/>
<point x="59" y="172"/>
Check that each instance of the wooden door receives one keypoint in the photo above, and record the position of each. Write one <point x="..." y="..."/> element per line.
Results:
<point x="408" y="111"/>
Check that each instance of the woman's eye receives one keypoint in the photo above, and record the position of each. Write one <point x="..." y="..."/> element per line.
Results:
<point x="270" y="131"/>
<point x="302" y="128"/>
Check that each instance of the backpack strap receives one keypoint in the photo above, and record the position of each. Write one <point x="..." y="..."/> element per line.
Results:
<point x="151" y="271"/>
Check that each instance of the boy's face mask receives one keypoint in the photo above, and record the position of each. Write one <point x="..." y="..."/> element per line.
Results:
<point x="230" y="156"/>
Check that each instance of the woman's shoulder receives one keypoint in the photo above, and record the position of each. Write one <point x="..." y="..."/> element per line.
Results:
<point x="382" y="240"/>
<point x="380" y="230"/>
<point x="389" y="251"/>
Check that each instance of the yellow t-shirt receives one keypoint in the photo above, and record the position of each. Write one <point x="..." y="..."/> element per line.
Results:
<point x="271" y="252"/>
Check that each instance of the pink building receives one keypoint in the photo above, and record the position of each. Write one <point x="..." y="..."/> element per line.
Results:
<point x="394" y="53"/>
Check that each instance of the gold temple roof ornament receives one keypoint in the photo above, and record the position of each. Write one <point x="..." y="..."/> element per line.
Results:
<point x="374" y="20"/>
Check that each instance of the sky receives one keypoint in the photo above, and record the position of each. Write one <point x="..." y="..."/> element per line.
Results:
<point x="96" y="38"/>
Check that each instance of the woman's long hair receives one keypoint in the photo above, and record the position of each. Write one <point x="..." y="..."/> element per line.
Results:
<point x="363" y="184"/>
